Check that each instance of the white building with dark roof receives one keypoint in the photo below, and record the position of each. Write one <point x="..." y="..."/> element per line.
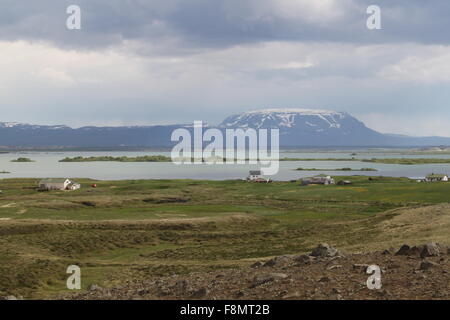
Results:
<point x="58" y="184"/>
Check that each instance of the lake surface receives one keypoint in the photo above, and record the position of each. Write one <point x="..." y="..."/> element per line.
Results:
<point x="47" y="165"/>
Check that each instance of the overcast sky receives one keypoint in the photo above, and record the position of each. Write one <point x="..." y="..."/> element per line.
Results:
<point x="176" y="61"/>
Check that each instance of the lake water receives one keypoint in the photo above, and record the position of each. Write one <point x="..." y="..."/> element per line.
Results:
<point x="47" y="165"/>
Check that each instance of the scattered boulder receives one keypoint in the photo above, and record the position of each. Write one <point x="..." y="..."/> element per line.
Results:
<point x="94" y="287"/>
<point x="426" y="265"/>
<point x="265" y="278"/>
<point x="403" y="251"/>
<point x="279" y="261"/>
<point x="324" y="250"/>
<point x="416" y="250"/>
<point x="430" y="250"/>
<point x="406" y="250"/>
<point x="200" y="293"/>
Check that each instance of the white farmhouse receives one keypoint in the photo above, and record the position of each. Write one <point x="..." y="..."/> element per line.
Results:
<point x="58" y="184"/>
<point x="254" y="175"/>
<point x="436" y="177"/>
<point x="320" y="179"/>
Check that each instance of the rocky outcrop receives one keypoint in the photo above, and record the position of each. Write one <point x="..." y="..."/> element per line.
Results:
<point x="324" y="250"/>
<point x="414" y="272"/>
<point x="431" y="249"/>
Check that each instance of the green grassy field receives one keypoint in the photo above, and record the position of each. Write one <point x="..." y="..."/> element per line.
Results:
<point x="140" y="229"/>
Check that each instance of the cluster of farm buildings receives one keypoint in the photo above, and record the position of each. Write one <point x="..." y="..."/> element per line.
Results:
<point x="253" y="176"/>
<point x="257" y="176"/>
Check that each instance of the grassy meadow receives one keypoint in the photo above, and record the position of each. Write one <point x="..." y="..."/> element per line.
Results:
<point x="124" y="230"/>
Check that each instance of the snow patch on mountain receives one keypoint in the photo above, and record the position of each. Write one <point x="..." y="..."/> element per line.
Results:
<point x="285" y="118"/>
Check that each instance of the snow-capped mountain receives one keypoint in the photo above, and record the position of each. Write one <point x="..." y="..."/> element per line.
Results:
<point x="297" y="127"/>
<point x="285" y="118"/>
<point x="307" y="127"/>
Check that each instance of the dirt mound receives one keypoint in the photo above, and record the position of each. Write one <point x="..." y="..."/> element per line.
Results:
<point x="326" y="273"/>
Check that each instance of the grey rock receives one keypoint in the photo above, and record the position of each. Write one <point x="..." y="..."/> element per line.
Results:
<point x="403" y="251"/>
<point x="94" y="287"/>
<point x="324" y="250"/>
<point x="265" y="278"/>
<point x="430" y="250"/>
<point x="416" y="250"/>
<point x="279" y="261"/>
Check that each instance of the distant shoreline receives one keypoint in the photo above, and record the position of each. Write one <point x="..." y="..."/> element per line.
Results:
<point x="337" y="169"/>
<point x="351" y="150"/>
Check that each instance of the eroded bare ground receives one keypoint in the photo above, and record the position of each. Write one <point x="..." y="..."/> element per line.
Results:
<point x="417" y="272"/>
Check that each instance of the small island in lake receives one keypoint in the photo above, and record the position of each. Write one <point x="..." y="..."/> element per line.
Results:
<point x="157" y="158"/>
<point x="22" y="160"/>
<point x="338" y="169"/>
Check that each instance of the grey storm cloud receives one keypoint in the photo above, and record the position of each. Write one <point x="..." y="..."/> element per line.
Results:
<point x="192" y="24"/>
<point x="175" y="61"/>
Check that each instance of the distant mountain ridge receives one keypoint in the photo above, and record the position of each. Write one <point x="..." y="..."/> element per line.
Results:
<point x="298" y="128"/>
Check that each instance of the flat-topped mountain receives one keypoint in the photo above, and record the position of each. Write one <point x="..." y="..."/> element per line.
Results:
<point x="306" y="127"/>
